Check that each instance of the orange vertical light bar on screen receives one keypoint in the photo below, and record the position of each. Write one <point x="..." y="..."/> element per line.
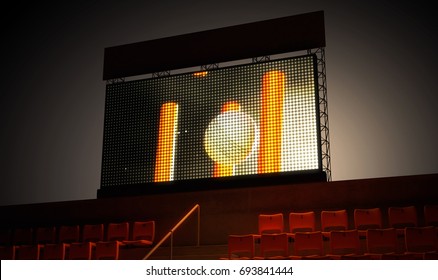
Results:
<point x="221" y="170"/>
<point x="271" y="122"/>
<point x="164" y="160"/>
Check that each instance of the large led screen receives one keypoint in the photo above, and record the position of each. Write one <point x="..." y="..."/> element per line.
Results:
<point x="242" y="120"/>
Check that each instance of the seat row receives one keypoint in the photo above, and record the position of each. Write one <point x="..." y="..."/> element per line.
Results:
<point x="370" y="218"/>
<point x="334" y="223"/>
<point x="420" y="242"/>
<point x="91" y="241"/>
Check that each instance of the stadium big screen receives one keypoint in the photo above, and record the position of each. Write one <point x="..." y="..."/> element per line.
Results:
<point x="240" y="121"/>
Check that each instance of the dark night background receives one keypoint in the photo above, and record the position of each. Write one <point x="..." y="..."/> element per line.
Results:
<point x="381" y="77"/>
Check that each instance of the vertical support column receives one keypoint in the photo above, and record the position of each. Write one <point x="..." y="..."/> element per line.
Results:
<point x="221" y="170"/>
<point x="164" y="161"/>
<point x="271" y="122"/>
<point x="323" y="111"/>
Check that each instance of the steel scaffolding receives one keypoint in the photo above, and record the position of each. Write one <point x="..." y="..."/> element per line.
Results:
<point x="323" y="111"/>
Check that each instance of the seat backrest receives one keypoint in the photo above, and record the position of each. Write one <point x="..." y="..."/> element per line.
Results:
<point x="401" y="217"/>
<point x="143" y="230"/>
<point x="45" y="235"/>
<point x="421" y="239"/>
<point x="80" y="251"/>
<point x="334" y="220"/>
<point x="118" y="231"/>
<point x="241" y="246"/>
<point x="367" y="218"/>
<point x="92" y="232"/>
<point x="107" y="250"/>
<point x="274" y="244"/>
<point x="7" y="252"/>
<point x="301" y="222"/>
<point x="68" y="234"/>
<point x="308" y="243"/>
<point x="22" y="236"/>
<point x="431" y="215"/>
<point x="344" y="242"/>
<point x="28" y="252"/>
<point x="382" y="241"/>
<point x="54" y="251"/>
<point x="271" y="223"/>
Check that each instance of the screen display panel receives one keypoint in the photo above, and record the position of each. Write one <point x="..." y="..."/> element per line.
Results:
<point x="251" y="119"/>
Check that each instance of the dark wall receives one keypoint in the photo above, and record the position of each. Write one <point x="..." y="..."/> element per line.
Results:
<point x="231" y="211"/>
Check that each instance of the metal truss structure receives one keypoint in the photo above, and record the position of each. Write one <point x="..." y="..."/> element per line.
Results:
<point x="161" y="74"/>
<point x="115" y="81"/>
<point x="209" y="66"/>
<point x="323" y="111"/>
<point x="261" y="58"/>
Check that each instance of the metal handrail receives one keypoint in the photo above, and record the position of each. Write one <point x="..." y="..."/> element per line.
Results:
<point x="170" y="233"/>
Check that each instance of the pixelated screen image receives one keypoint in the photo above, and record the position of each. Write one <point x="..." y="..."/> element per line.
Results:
<point x="242" y="120"/>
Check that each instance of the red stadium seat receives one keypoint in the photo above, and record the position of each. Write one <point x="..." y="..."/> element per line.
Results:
<point x="59" y="251"/>
<point x="45" y="235"/>
<point x="241" y="246"/>
<point x="274" y="246"/>
<point x="271" y="223"/>
<point x="301" y="222"/>
<point x="421" y="240"/>
<point x="143" y="234"/>
<point x="344" y="243"/>
<point x="365" y="219"/>
<point x="91" y="233"/>
<point x="333" y="220"/>
<point x="402" y="217"/>
<point x="381" y="241"/>
<point x="116" y="234"/>
<point x="431" y="215"/>
<point x="28" y="252"/>
<point x="7" y="252"/>
<point x="308" y="244"/>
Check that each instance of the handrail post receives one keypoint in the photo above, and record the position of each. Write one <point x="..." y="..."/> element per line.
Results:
<point x="171" y="245"/>
<point x="199" y="225"/>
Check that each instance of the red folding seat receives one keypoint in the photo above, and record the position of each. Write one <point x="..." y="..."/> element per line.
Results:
<point x="402" y="217"/>
<point x="344" y="242"/>
<point x="301" y="222"/>
<point x="421" y="240"/>
<point x="116" y="234"/>
<point x="309" y="245"/>
<point x="431" y="215"/>
<point x="333" y="220"/>
<point x="271" y="223"/>
<point x="241" y="247"/>
<point x="381" y="241"/>
<point x="66" y="235"/>
<point x="91" y="233"/>
<point x="274" y="246"/>
<point x="28" y="252"/>
<point x="365" y="219"/>
<point x="7" y="252"/>
<point x="143" y="234"/>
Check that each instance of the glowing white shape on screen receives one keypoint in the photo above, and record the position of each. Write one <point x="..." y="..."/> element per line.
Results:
<point x="230" y="137"/>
